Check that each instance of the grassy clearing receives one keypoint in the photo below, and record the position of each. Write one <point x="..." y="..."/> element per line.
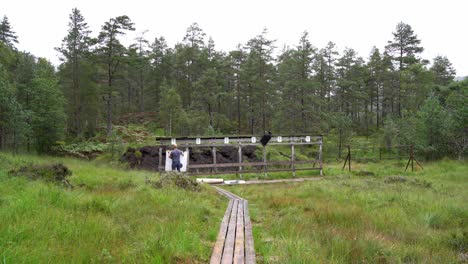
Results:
<point x="348" y="218"/>
<point x="110" y="216"/>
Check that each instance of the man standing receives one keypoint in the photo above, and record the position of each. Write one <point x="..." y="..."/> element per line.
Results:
<point x="175" y="156"/>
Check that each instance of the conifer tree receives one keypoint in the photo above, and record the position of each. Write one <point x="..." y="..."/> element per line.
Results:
<point x="111" y="54"/>
<point x="74" y="51"/>
<point x="404" y="50"/>
<point x="7" y="35"/>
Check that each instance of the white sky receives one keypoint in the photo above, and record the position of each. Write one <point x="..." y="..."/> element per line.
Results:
<point x="359" y="24"/>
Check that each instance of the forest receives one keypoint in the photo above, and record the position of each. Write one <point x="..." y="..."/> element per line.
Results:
<point x="194" y="89"/>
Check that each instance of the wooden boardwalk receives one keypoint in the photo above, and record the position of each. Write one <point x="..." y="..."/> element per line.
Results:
<point x="235" y="240"/>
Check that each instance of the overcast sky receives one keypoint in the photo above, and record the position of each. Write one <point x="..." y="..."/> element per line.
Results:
<point x="442" y="26"/>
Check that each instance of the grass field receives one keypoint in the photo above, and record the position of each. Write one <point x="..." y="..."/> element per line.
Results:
<point x="420" y="217"/>
<point x="110" y="216"/>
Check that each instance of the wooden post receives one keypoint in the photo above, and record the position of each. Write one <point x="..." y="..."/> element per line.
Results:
<point x="265" y="169"/>
<point x="188" y="160"/>
<point x="293" y="154"/>
<point x="320" y="158"/>
<point x="160" y="159"/>
<point x="349" y="163"/>
<point x="214" y="158"/>
<point x="348" y="159"/>
<point x="380" y="153"/>
<point x="412" y="159"/>
<point x="240" y="160"/>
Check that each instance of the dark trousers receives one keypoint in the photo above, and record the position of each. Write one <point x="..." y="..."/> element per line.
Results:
<point x="176" y="165"/>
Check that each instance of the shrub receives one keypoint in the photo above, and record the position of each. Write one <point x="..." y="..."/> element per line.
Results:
<point x="57" y="173"/>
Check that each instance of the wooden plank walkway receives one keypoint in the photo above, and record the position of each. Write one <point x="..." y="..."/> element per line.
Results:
<point x="235" y="240"/>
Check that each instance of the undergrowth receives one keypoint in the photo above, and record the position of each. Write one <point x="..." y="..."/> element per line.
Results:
<point x="387" y="216"/>
<point x="110" y="216"/>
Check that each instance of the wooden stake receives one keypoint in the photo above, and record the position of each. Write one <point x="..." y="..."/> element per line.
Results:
<point x="240" y="160"/>
<point x="293" y="157"/>
<point x="214" y="159"/>
<point x="188" y="160"/>
<point x="160" y="160"/>
<point x="348" y="159"/>
<point x="320" y="158"/>
<point x="265" y="169"/>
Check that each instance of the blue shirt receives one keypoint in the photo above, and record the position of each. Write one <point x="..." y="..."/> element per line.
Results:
<point x="175" y="155"/>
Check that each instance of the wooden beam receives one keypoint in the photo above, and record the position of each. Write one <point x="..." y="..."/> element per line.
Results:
<point x="219" y="245"/>
<point x="265" y="169"/>
<point x="249" y="242"/>
<point x="160" y="160"/>
<point x="188" y="159"/>
<point x="239" y="155"/>
<point x="239" y="244"/>
<point x="293" y="157"/>
<point x="214" y="158"/>
<point x="228" y="252"/>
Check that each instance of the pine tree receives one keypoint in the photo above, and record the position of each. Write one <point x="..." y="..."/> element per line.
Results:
<point x="47" y="107"/>
<point x="329" y="54"/>
<point x="7" y="35"/>
<point x="235" y="60"/>
<point x="161" y="58"/>
<point x="404" y="50"/>
<point x="111" y="53"/>
<point x="443" y="71"/>
<point x="259" y="72"/>
<point x="75" y="49"/>
<point x="298" y="89"/>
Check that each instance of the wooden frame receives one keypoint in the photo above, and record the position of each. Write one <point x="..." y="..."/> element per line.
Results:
<point x="240" y="166"/>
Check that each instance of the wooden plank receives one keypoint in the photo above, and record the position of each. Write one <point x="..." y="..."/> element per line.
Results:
<point x="188" y="157"/>
<point x="239" y="156"/>
<point x="249" y="242"/>
<point x="249" y="164"/>
<point x="228" y="251"/>
<point x="320" y="159"/>
<point x="219" y="245"/>
<point x="228" y="194"/>
<point x="160" y="167"/>
<point x="253" y="171"/>
<point x="265" y="169"/>
<point x="293" y="157"/>
<point x="239" y="257"/>
<point x="214" y="159"/>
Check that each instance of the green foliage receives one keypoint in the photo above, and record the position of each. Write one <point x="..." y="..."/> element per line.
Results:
<point x="175" y="179"/>
<point x="86" y="150"/>
<point x="47" y="102"/>
<point x="7" y="35"/>
<point x="346" y="218"/>
<point x="110" y="215"/>
<point x="57" y="173"/>
<point x="194" y="89"/>
<point x="172" y="113"/>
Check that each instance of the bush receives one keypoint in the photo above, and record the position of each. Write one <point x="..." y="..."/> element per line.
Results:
<point x="175" y="179"/>
<point x="57" y="173"/>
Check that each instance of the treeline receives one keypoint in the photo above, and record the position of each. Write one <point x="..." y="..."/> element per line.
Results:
<point x="199" y="90"/>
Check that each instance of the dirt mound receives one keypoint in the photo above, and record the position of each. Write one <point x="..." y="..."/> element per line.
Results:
<point x="57" y="173"/>
<point x="148" y="157"/>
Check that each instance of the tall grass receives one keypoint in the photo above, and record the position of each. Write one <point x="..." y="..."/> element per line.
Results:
<point x="347" y="218"/>
<point x="110" y="216"/>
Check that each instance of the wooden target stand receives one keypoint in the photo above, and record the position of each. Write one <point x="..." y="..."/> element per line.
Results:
<point x="240" y="166"/>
